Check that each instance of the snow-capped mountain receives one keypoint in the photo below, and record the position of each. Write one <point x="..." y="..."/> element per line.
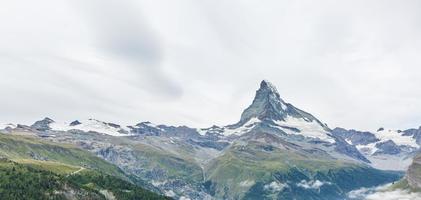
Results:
<point x="268" y="111"/>
<point x="90" y="125"/>
<point x="268" y="108"/>
<point x="386" y="149"/>
<point x="274" y="143"/>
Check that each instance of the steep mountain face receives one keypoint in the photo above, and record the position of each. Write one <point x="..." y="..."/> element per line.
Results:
<point x="386" y="149"/>
<point x="275" y="151"/>
<point x="413" y="175"/>
<point x="268" y="107"/>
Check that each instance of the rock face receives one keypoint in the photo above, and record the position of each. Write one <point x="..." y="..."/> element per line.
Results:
<point x="268" y="107"/>
<point x="75" y="123"/>
<point x="356" y="137"/>
<point x="413" y="175"/>
<point x="388" y="147"/>
<point x="42" y="125"/>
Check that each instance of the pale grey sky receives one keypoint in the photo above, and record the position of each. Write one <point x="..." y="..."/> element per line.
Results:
<point x="354" y="64"/>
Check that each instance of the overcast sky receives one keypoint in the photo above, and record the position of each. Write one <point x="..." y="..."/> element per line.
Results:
<point x="354" y="64"/>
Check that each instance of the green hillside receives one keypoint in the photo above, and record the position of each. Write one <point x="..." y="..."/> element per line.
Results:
<point x="259" y="171"/>
<point x="35" y="169"/>
<point x="30" y="181"/>
<point x="21" y="148"/>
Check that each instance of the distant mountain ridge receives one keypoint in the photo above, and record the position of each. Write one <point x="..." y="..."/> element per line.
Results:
<point x="386" y="149"/>
<point x="275" y="151"/>
<point x="266" y="109"/>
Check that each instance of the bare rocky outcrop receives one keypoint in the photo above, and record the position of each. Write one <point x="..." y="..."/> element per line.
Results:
<point x="413" y="175"/>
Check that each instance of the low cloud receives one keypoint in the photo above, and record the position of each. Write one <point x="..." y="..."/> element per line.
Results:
<point x="312" y="184"/>
<point x="394" y="195"/>
<point x="275" y="186"/>
<point x="383" y="193"/>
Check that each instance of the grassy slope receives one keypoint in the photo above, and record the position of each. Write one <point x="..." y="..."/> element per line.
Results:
<point x="244" y="170"/>
<point x="31" y="181"/>
<point x="174" y="165"/>
<point x="179" y="164"/>
<point x="62" y="160"/>
<point x="23" y="148"/>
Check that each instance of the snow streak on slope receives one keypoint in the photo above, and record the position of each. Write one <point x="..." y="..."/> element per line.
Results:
<point x="309" y="129"/>
<point x="91" y="125"/>
<point x="243" y="129"/>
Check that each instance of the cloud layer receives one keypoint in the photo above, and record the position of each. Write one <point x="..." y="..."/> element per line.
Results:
<point x="383" y="193"/>
<point x="353" y="64"/>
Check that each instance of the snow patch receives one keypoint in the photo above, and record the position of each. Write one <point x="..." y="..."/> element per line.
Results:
<point x="368" y="149"/>
<point x="90" y="125"/>
<point x="348" y="141"/>
<point x="307" y="129"/>
<point x="243" y="129"/>
<point x="202" y="131"/>
<point x="396" y="137"/>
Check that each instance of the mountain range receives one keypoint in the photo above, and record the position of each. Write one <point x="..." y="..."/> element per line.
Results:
<point x="274" y="151"/>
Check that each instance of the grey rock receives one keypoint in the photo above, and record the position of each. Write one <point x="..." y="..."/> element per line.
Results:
<point x="356" y="137"/>
<point x="42" y="125"/>
<point x="413" y="175"/>
<point x="75" y="123"/>
<point x="388" y="147"/>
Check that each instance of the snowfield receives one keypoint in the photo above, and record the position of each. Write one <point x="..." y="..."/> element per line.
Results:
<point x="91" y="125"/>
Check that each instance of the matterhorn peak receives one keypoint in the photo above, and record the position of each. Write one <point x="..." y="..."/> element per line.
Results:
<point x="266" y="85"/>
<point x="268" y="106"/>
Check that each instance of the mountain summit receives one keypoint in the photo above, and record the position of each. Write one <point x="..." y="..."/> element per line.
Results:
<point x="268" y="107"/>
<point x="267" y="104"/>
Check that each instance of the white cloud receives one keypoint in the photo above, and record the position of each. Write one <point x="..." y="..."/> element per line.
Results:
<point x="394" y="195"/>
<point x="312" y="184"/>
<point x="383" y="193"/>
<point x="275" y="186"/>
<point x="353" y="64"/>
